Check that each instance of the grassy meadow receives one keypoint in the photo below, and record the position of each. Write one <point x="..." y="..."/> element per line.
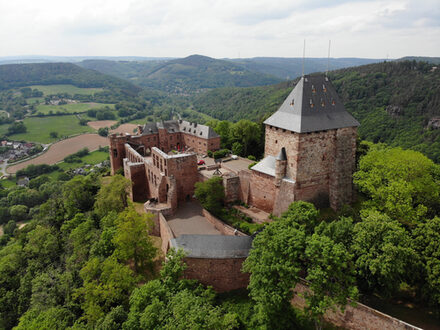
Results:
<point x="92" y="158"/>
<point x="39" y="128"/>
<point x="70" y="108"/>
<point x="70" y="89"/>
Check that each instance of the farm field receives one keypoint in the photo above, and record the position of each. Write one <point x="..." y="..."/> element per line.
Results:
<point x="39" y="128"/>
<point x="70" y="89"/>
<point x="71" y="108"/>
<point x="58" y="151"/>
<point x="97" y="124"/>
<point x="92" y="158"/>
<point x="125" y="128"/>
<point x="32" y="100"/>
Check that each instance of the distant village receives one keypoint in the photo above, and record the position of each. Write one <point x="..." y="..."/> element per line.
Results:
<point x="12" y="151"/>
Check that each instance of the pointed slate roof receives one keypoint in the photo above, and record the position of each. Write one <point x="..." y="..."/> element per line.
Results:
<point x="313" y="105"/>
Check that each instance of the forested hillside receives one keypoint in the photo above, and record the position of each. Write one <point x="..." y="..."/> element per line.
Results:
<point x="130" y="70"/>
<point x="183" y="76"/>
<point x="19" y="75"/>
<point x="290" y="68"/>
<point x="396" y="102"/>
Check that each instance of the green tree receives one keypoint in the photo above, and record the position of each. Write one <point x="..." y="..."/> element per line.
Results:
<point x="19" y="212"/>
<point x="383" y="252"/>
<point x="211" y="194"/>
<point x="331" y="276"/>
<point x="106" y="284"/>
<point x="172" y="303"/>
<point x="132" y="240"/>
<point x="10" y="227"/>
<point x="103" y="131"/>
<point x="16" y="128"/>
<point x="237" y="148"/>
<point x="402" y="183"/>
<point x="275" y="262"/>
<point x="112" y="196"/>
<point x="79" y="194"/>
<point x="58" y="318"/>
<point x="42" y="249"/>
<point x="427" y="245"/>
<point x="302" y="213"/>
<point x="248" y="134"/>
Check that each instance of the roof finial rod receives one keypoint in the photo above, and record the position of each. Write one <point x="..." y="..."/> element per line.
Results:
<point x="328" y="58"/>
<point x="304" y="55"/>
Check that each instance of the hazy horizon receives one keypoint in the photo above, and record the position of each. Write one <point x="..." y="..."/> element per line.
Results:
<point x="220" y="29"/>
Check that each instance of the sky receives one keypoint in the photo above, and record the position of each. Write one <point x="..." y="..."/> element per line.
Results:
<point x="220" y="28"/>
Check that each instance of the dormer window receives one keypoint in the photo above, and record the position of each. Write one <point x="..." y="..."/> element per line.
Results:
<point x="200" y="133"/>
<point x="333" y="102"/>
<point x="324" y="88"/>
<point x="322" y="103"/>
<point x="313" y="89"/>
<point x="292" y="103"/>
<point x="311" y="104"/>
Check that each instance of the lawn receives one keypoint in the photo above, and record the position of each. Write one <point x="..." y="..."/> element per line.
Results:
<point x="38" y="128"/>
<point x="70" y="89"/>
<point x="8" y="183"/>
<point x="33" y="100"/>
<point x="92" y="158"/>
<point x="71" y="108"/>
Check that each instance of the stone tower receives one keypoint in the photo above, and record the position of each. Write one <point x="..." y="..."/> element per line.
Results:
<point x="310" y="149"/>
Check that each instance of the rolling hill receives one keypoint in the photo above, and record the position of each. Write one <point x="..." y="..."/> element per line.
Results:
<point x="19" y="75"/>
<point x="187" y="75"/>
<point x="396" y="102"/>
<point x="290" y="68"/>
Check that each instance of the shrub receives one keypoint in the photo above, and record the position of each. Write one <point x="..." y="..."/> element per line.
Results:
<point x="211" y="194"/>
<point x="251" y="157"/>
<point x="221" y="153"/>
<point x="103" y="131"/>
<point x="252" y="165"/>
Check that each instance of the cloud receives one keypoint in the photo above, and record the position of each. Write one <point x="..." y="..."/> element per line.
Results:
<point x="368" y="28"/>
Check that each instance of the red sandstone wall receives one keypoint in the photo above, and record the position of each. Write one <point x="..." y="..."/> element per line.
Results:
<point x="165" y="233"/>
<point x="285" y="196"/>
<point x="277" y="138"/>
<point x="184" y="170"/>
<point x="341" y="184"/>
<point x="359" y="317"/>
<point x="136" y="174"/>
<point x="222" y="274"/>
<point x="221" y="226"/>
<point x="262" y="191"/>
<point x="231" y="183"/>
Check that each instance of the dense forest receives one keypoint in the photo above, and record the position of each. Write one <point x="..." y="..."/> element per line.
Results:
<point x="396" y="102"/>
<point x="290" y="68"/>
<point x="184" y="76"/>
<point x="19" y="75"/>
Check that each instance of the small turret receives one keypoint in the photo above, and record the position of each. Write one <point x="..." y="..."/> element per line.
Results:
<point x="280" y="166"/>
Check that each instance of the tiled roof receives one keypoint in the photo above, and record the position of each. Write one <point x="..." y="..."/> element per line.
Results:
<point x="173" y="126"/>
<point x="313" y="105"/>
<point x="213" y="246"/>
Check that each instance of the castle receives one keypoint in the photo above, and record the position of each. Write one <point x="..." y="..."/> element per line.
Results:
<point x="309" y="155"/>
<point x="310" y="150"/>
<point x="161" y="160"/>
